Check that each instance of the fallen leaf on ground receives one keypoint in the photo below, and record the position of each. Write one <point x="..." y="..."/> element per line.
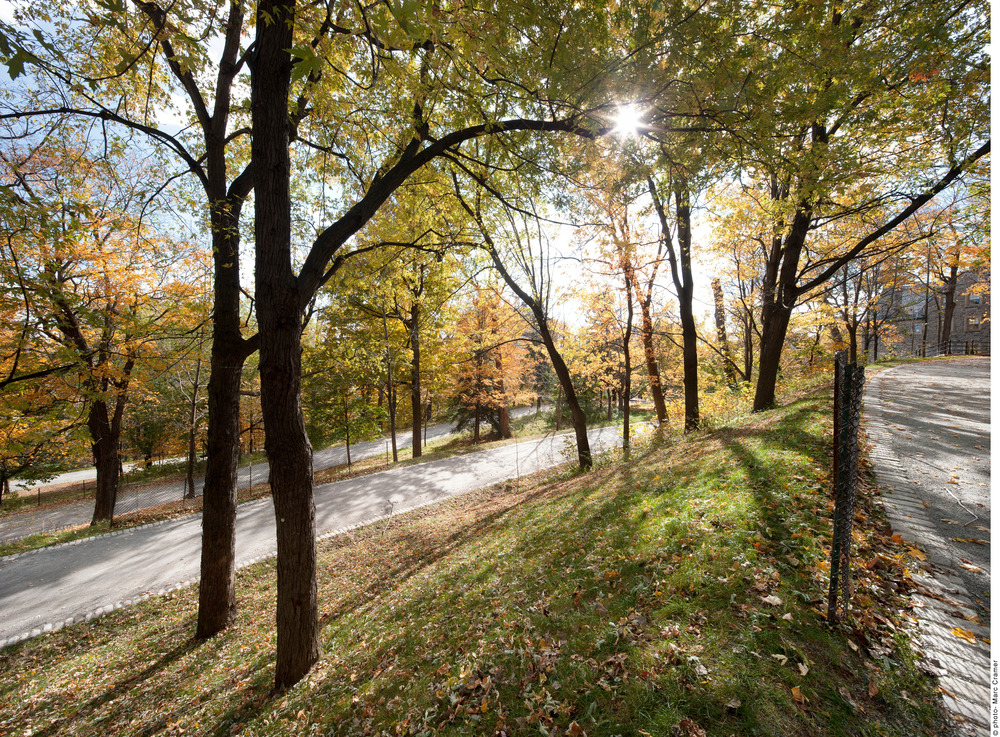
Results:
<point x="872" y="690"/>
<point x="803" y="669"/>
<point x="687" y="728"/>
<point x="970" y="567"/>
<point x="575" y="730"/>
<point x="772" y="600"/>
<point x="797" y="695"/>
<point x="966" y="635"/>
<point x="919" y="555"/>
<point x="734" y="704"/>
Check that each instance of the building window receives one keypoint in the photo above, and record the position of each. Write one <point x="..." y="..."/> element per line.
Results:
<point x="973" y="300"/>
<point x="972" y="323"/>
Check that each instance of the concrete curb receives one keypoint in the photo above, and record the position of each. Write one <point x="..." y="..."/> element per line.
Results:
<point x="82" y="540"/>
<point x="962" y="668"/>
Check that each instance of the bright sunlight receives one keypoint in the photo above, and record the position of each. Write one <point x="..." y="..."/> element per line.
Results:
<point x="629" y="120"/>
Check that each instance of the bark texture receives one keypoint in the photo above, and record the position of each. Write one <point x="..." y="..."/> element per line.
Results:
<point x="279" y="318"/>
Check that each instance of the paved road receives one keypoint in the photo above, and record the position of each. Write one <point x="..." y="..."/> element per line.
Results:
<point x="65" y="583"/>
<point x="33" y="521"/>
<point x="930" y="429"/>
<point x="938" y="415"/>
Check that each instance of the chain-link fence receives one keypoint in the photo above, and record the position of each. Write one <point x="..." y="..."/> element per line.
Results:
<point x="980" y="347"/>
<point x="849" y="381"/>
<point x="135" y="495"/>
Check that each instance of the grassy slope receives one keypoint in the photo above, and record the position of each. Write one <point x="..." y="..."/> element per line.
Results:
<point x="630" y="600"/>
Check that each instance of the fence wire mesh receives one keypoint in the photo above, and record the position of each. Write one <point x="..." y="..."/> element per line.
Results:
<point x="849" y="380"/>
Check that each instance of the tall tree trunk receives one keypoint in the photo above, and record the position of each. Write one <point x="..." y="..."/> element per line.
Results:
<point x="104" y="445"/>
<point x="950" y="286"/>
<point x="685" y="296"/>
<point x="680" y="268"/>
<point x="217" y="586"/>
<point x="583" y="453"/>
<point x="105" y="432"/>
<point x="584" y="456"/>
<point x="748" y="328"/>
<point x="720" y="331"/>
<point x="559" y="408"/>
<point x="627" y="383"/>
<point x="280" y="323"/>
<point x="503" y="410"/>
<point x="652" y="366"/>
<point x="347" y="431"/>
<point x="852" y="336"/>
<point x="189" y="492"/>
<point x="415" y="403"/>
<point x="779" y="297"/>
<point x="390" y="389"/>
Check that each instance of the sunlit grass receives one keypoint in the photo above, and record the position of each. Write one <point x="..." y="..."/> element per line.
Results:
<point x="686" y="584"/>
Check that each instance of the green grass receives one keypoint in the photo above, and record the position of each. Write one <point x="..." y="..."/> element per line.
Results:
<point x="618" y="602"/>
<point x="45" y="539"/>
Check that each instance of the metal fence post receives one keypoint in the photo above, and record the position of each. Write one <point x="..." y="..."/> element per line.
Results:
<point x="848" y="384"/>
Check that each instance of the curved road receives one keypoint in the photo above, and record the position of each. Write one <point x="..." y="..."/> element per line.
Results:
<point x="929" y="424"/>
<point x="48" y="588"/>
<point x="32" y="521"/>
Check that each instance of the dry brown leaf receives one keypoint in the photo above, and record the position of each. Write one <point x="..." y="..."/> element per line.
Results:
<point x="575" y="730"/>
<point x="803" y="669"/>
<point x="687" y="728"/>
<point x="772" y="600"/>
<point x="970" y="567"/>
<point x="919" y="555"/>
<point x="797" y="695"/>
<point x="734" y="703"/>
<point x="872" y="690"/>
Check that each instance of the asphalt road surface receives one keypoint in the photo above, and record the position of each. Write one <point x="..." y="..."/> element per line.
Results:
<point x="32" y="521"/>
<point x="938" y="417"/>
<point x="62" y="584"/>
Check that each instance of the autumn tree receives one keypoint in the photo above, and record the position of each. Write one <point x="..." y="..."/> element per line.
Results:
<point x="890" y="106"/>
<point x="94" y="286"/>
<point x="489" y="362"/>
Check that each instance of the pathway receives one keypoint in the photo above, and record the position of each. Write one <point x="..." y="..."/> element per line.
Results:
<point x="929" y="424"/>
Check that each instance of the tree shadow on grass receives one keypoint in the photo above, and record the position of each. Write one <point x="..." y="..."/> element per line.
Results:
<point x="87" y="711"/>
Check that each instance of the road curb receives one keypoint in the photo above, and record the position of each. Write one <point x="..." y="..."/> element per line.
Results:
<point x="111" y="533"/>
<point x="961" y="667"/>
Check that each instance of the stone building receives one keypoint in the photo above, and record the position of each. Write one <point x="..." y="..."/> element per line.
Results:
<point x="970" y="319"/>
